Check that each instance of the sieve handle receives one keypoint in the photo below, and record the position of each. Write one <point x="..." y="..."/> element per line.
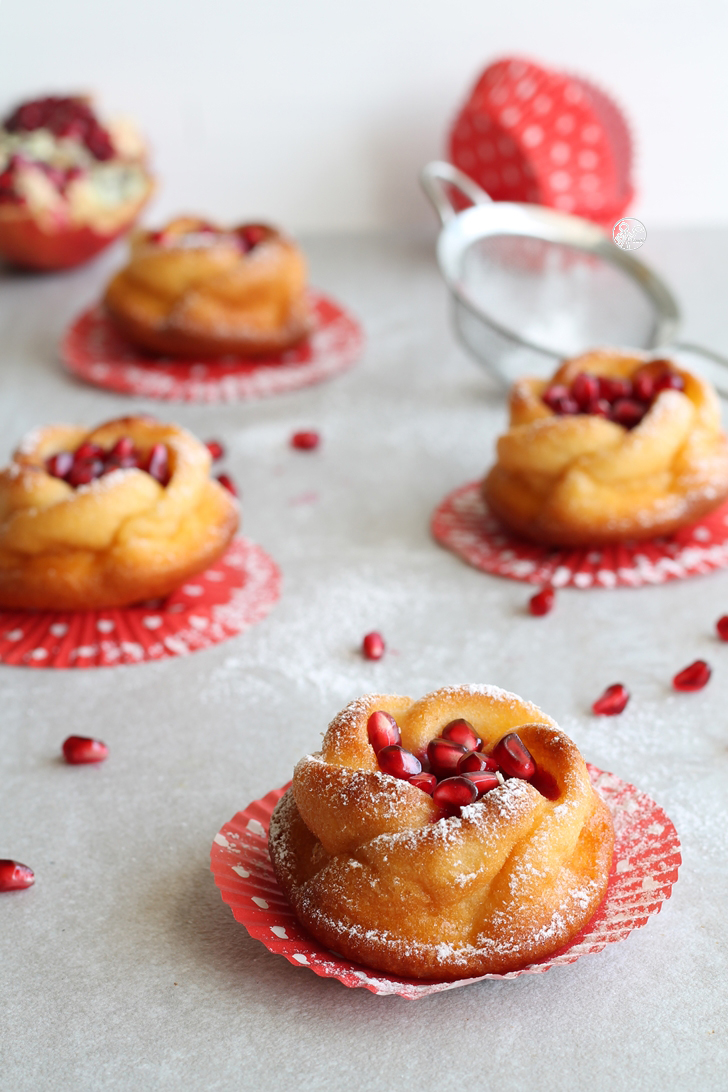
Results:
<point x="437" y="177"/>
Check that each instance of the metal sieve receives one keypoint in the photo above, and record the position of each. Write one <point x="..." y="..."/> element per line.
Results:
<point x="531" y="286"/>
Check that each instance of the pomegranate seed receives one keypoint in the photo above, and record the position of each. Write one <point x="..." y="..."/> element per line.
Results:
<point x="484" y="780"/>
<point x="305" y="441"/>
<point x="693" y="677"/>
<point x="227" y="483"/>
<point x="644" y="386"/>
<point x="444" y="755"/>
<point x="157" y="464"/>
<point x="88" y="451"/>
<point x="670" y="381"/>
<point x="476" y="762"/>
<point x="613" y="389"/>
<point x="613" y="701"/>
<point x="722" y="626"/>
<point x="217" y="451"/>
<point x="424" y="781"/>
<point x="123" y="448"/>
<point x="542" y="602"/>
<point x="251" y="235"/>
<point x="15" y="876"/>
<point x="382" y="730"/>
<point x="554" y="396"/>
<point x="546" y="784"/>
<point x="373" y="646"/>
<point x="454" y="793"/>
<point x="462" y="732"/>
<point x="599" y="408"/>
<point x="627" y="412"/>
<point x="567" y="407"/>
<point x="59" y="465"/>
<point x="585" y="389"/>
<point x="513" y="757"/>
<point x="120" y="462"/>
<point x="78" y="750"/>
<point x="84" y="471"/>
<point x="399" y="763"/>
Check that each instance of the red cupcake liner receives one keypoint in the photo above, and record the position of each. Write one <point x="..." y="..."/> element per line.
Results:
<point x="464" y="524"/>
<point x="219" y="603"/>
<point x="530" y="134"/>
<point x="94" y="350"/>
<point x="644" y="869"/>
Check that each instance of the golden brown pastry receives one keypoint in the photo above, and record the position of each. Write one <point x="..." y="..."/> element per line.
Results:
<point x="502" y="865"/>
<point x="194" y="289"/>
<point x="614" y="447"/>
<point x="108" y="517"/>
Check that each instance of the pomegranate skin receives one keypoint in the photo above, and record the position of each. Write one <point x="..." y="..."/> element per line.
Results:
<point x="373" y="646"/>
<point x="79" y="750"/>
<point x="693" y="677"/>
<point x="305" y="441"/>
<point x="461" y="731"/>
<point x="542" y="602"/>
<point x="398" y="762"/>
<point x="15" y="876"/>
<point x="444" y="755"/>
<point x="383" y="731"/>
<point x="476" y="762"/>
<point x="513" y="757"/>
<point x="613" y="701"/>
<point x="454" y="793"/>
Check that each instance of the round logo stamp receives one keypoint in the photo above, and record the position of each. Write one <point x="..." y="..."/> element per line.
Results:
<point x="629" y="234"/>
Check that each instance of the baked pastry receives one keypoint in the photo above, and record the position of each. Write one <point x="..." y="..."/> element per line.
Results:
<point x="616" y="446"/>
<point x="193" y="289"/>
<point x="502" y="865"/>
<point x="69" y="185"/>
<point x="108" y="517"/>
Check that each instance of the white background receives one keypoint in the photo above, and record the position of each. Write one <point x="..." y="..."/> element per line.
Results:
<point x="318" y="114"/>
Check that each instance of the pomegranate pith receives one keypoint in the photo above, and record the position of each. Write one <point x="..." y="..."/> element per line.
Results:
<point x="461" y="731"/>
<point x="542" y="602"/>
<point x="613" y="701"/>
<point x="383" y="730"/>
<point x="693" y="677"/>
<point x="78" y="750"/>
<point x="398" y="762"/>
<point x="15" y="876"/>
<point x="373" y="646"/>
<point x="513" y="757"/>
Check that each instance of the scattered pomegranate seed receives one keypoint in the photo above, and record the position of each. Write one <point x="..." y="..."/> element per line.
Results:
<point x="373" y="646"/>
<point x="542" y="602"/>
<point x="585" y="389"/>
<point x="722" y="626"/>
<point x="79" y="750"/>
<point x="693" y="677"/>
<point x="227" y="483"/>
<point x="305" y="441"/>
<point x="382" y="730"/>
<point x="476" y="762"/>
<point x="59" y="465"/>
<point x="398" y="762"/>
<point x="484" y="780"/>
<point x="157" y="464"/>
<point x="454" y="793"/>
<point x="613" y="701"/>
<point x="513" y="757"/>
<point x="461" y="731"/>
<point x="444" y="755"/>
<point x="15" y="876"/>
<point x="217" y="451"/>
<point x="424" y="781"/>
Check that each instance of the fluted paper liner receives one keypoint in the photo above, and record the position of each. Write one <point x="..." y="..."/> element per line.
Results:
<point x="94" y="350"/>
<point x="644" y="869"/>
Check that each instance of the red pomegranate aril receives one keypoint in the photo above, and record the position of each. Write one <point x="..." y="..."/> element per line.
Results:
<point x="613" y="389"/>
<point x="217" y="451"/>
<point x="444" y="755"/>
<point x="15" y="876"/>
<point x="84" y="471"/>
<point x="722" y="627"/>
<point x="546" y="784"/>
<point x="476" y="762"/>
<point x="79" y="750"/>
<point x="669" y="381"/>
<point x="542" y="602"/>
<point x="157" y="464"/>
<point x="644" y="386"/>
<point x="513" y="757"/>
<point x="693" y="677"/>
<point x="306" y="440"/>
<point x="59" y="465"/>
<point x="613" y="701"/>
<point x="461" y="731"/>
<point x="373" y="646"/>
<point x="627" y="412"/>
<point x="484" y="780"/>
<point x="382" y="730"/>
<point x="120" y="462"/>
<point x="398" y="762"/>
<point x="88" y="451"/>
<point x="567" y="407"/>
<point x="599" y="408"/>
<point x="424" y="781"/>
<point x="123" y="448"/>
<point x="251" y="236"/>
<point x="227" y="483"/>
<point x="554" y="396"/>
<point x="454" y="793"/>
<point x="585" y="389"/>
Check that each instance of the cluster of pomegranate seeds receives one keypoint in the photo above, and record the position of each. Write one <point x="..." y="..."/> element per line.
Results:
<point x="613" y="701"/>
<point x="80" y="750"/>
<point x="372" y="647"/>
<point x="305" y="441"/>
<point x="624" y="401"/>
<point x="459" y="772"/>
<point x="15" y="876"/>
<point x="693" y="677"/>
<point x="542" y="602"/>
<point x="71" y="118"/>
<point x="90" y="461"/>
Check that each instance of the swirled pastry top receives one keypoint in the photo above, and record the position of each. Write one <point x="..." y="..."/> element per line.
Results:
<point x="375" y="870"/>
<point x="108" y="534"/>
<point x="196" y="289"/>
<point x="615" y="446"/>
